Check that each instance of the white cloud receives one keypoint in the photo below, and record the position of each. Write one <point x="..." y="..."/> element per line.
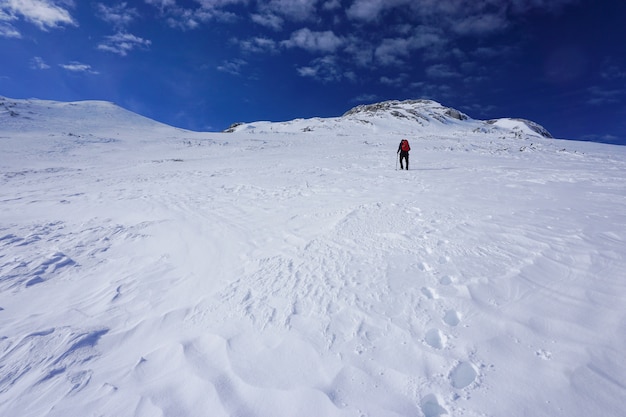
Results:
<point x="9" y="31"/>
<point x="428" y="36"/>
<point x="441" y="71"/>
<point x="397" y="81"/>
<point x="480" y="24"/>
<point x="206" y="10"/>
<point x="326" y="69"/>
<point x="524" y="6"/>
<point x="215" y="4"/>
<point x="371" y="10"/>
<point x="258" y="45"/>
<point x="392" y="51"/>
<point x="365" y="98"/>
<point x="193" y="17"/>
<point x="463" y="17"/>
<point x="613" y="72"/>
<point x="360" y="52"/>
<point x="308" y="71"/>
<point x="293" y="9"/>
<point x="434" y="91"/>
<point x="331" y="5"/>
<point x="604" y="96"/>
<point x="487" y="52"/>
<point x="185" y="19"/>
<point x="123" y="43"/>
<point x="119" y="15"/>
<point x="232" y="67"/>
<point x="38" y="63"/>
<point x="4" y="16"/>
<point x="367" y="10"/>
<point x="45" y="14"/>
<point x="463" y="8"/>
<point x="321" y="69"/>
<point x="78" y="67"/>
<point x="269" y="20"/>
<point x="161" y="4"/>
<point x="311" y="41"/>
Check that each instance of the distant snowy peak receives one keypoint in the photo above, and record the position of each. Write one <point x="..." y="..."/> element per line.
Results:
<point x="393" y="116"/>
<point x="408" y="117"/>
<point x="418" y="110"/>
<point x="431" y="111"/>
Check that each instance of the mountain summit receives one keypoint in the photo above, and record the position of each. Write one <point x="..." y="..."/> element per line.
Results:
<point x="407" y="117"/>
<point x="418" y="110"/>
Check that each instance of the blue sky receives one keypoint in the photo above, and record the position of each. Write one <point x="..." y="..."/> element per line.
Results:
<point x="204" y="64"/>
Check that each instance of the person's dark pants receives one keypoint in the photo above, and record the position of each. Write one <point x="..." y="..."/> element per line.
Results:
<point x="404" y="155"/>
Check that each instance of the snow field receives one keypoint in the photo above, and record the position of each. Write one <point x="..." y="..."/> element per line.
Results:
<point x="169" y="273"/>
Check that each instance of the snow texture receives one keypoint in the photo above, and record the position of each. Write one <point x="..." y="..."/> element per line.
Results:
<point x="288" y="269"/>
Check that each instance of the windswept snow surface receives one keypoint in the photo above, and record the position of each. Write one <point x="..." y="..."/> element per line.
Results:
<point x="292" y="271"/>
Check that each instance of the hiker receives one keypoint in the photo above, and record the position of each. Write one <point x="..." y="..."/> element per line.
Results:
<point x="403" y="150"/>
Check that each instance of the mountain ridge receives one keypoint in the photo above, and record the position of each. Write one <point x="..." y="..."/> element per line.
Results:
<point x="405" y="117"/>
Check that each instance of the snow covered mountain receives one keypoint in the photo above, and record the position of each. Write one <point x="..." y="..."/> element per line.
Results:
<point x="288" y="269"/>
<point x="409" y="117"/>
<point x="54" y="116"/>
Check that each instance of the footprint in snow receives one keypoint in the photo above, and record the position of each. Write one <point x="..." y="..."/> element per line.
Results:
<point x="429" y="293"/>
<point x="431" y="407"/>
<point x="451" y="318"/>
<point x="446" y="280"/>
<point x="435" y="339"/>
<point x="423" y="266"/>
<point x="463" y="375"/>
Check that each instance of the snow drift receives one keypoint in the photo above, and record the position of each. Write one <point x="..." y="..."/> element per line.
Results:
<point x="287" y="269"/>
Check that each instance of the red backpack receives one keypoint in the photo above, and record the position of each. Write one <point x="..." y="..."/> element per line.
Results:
<point x="404" y="145"/>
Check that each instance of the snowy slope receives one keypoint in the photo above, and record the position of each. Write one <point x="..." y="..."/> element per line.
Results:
<point x="87" y="116"/>
<point x="287" y="269"/>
